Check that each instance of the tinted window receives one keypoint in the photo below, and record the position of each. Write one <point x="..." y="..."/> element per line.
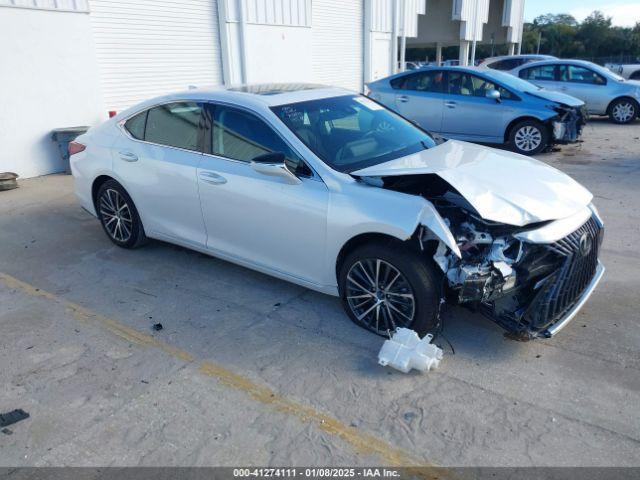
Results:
<point x="473" y="86"/>
<point x="575" y="74"/>
<point x="242" y="136"/>
<point x="352" y="132"/>
<point x="174" y="124"/>
<point x="135" y="125"/>
<point x="397" y="83"/>
<point x="544" y="72"/>
<point x="431" y="81"/>
<point x="506" y="64"/>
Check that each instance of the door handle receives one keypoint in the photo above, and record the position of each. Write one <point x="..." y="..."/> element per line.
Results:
<point x="450" y="104"/>
<point x="212" y="178"/>
<point x="128" y="156"/>
<point x="403" y="98"/>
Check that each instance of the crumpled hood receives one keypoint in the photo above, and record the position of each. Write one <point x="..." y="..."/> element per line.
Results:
<point x="502" y="186"/>
<point x="557" y="97"/>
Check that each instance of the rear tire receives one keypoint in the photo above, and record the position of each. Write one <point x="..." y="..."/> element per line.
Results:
<point x="528" y="137"/>
<point x="406" y="294"/>
<point x="623" y="111"/>
<point x="119" y="216"/>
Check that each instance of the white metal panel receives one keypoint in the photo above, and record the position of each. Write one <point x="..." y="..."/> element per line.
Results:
<point x="382" y="15"/>
<point x="62" y="5"/>
<point x="338" y="42"/>
<point x="473" y="14"/>
<point x="513" y="19"/>
<point x="151" y="47"/>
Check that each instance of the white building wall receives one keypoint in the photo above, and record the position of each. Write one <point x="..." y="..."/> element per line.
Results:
<point x="266" y="40"/>
<point x="151" y="47"/>
<point x="513" y="19"/>
<point x="48" y="79"/>
<point x="337" y="30"/>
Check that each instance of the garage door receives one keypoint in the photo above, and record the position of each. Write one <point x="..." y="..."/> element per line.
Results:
<point x="152" y="47"/>
<point x="337" y="29"/>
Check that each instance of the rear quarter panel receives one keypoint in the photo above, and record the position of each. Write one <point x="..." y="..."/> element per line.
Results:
<point x="94" y="161"/>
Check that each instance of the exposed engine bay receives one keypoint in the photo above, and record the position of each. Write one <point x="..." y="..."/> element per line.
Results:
<point x="567" y="126"/>
<point x="520" y="285"/>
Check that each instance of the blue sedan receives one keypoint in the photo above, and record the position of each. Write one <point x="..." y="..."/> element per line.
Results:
<point x="484" y="106"/>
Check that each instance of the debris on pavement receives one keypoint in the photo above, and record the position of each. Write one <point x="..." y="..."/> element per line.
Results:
<point x="405" y="350"/>
<point x="7" y="431"/>
<point x="8" y="181"/>
<point x="157" y="327"/>
<point x="12" y="417"/>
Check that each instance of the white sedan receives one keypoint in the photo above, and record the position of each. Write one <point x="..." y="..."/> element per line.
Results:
<point x="330" y="190"/>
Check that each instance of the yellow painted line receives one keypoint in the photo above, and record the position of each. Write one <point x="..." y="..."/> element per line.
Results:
<point x="363" y="443"/>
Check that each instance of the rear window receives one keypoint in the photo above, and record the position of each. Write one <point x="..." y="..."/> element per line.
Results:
<point x="544" y="72"/>
<point x="136" y="125"/>
<point x="174" y="124"/>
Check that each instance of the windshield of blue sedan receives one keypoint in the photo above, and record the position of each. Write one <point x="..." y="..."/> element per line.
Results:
<point x="352" y="132"/>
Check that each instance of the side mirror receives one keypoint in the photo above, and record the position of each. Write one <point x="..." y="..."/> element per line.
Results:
<point x="494" y="95"/>
<point x="272" y="164"/>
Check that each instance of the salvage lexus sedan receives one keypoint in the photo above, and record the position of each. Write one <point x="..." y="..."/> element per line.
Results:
<point x="331" y="190"/>
<point x="487" y="106"/>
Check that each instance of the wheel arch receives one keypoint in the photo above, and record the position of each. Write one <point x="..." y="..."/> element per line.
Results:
<point x="622" y="97"/>
<point x="362" y="239"/>
<point x="515" y="121"/>
<point x="95" y="186"/>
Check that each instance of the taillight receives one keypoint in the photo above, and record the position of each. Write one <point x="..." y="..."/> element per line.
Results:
<point x="76" y="147"/>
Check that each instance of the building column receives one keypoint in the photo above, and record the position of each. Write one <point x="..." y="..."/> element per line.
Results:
<point x="511" y="49"/>
<point x="464" y="53"/>
<point x="438" y="53"/>
<point x="519" y="48"/>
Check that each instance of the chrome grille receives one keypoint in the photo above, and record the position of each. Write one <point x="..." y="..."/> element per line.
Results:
<point x="578" y="252"/>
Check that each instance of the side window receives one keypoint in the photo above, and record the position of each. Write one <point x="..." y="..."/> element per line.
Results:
<point x="397" y="83"/>
<point x="576" y="74"/>
<point x="545" y="72"/>
<point x="239" y="135"/>
<point x="135" y="125"/>
<point x="432" y="81"/>
<point x="174" y="124"/>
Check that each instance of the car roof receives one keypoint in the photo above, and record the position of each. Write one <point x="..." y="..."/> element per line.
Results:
<point x="556" y="62"/>
<point x="251" y="95"/>
<point x="524" y="55"/>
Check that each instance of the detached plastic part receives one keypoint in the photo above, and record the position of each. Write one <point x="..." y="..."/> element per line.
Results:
<point x="404" y="351"/>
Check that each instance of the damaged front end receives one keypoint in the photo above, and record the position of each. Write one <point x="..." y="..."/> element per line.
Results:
<point x="568" y="124"/>
<point x="529" y="279"/>
<point x="530" y="289"/>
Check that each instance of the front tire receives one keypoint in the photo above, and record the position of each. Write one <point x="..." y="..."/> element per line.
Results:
<point x="386" y="285"/>
<point x="623" y="110"/>
<point x="528" y="137"/>
<point x="119" y="216"/>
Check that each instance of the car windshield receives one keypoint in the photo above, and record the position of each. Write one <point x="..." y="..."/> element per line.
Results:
<point x="515" y="83"/>
<point x="352" y="132"/>
<point x="605" y="72"/>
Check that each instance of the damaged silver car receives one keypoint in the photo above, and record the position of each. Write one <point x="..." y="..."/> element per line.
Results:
<point x="333" y="191"/>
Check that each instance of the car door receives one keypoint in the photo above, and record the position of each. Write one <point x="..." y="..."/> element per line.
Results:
<point x="419" y="97"/>
<point x="468" y="113"/>
<point x="585" y="84"/>
<point x="544" y="76"/>
<point x="157" y="159"/>
<point x="258" y="219"/>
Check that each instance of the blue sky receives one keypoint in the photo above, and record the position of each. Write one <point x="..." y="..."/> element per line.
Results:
<point x="623" y="12"/>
